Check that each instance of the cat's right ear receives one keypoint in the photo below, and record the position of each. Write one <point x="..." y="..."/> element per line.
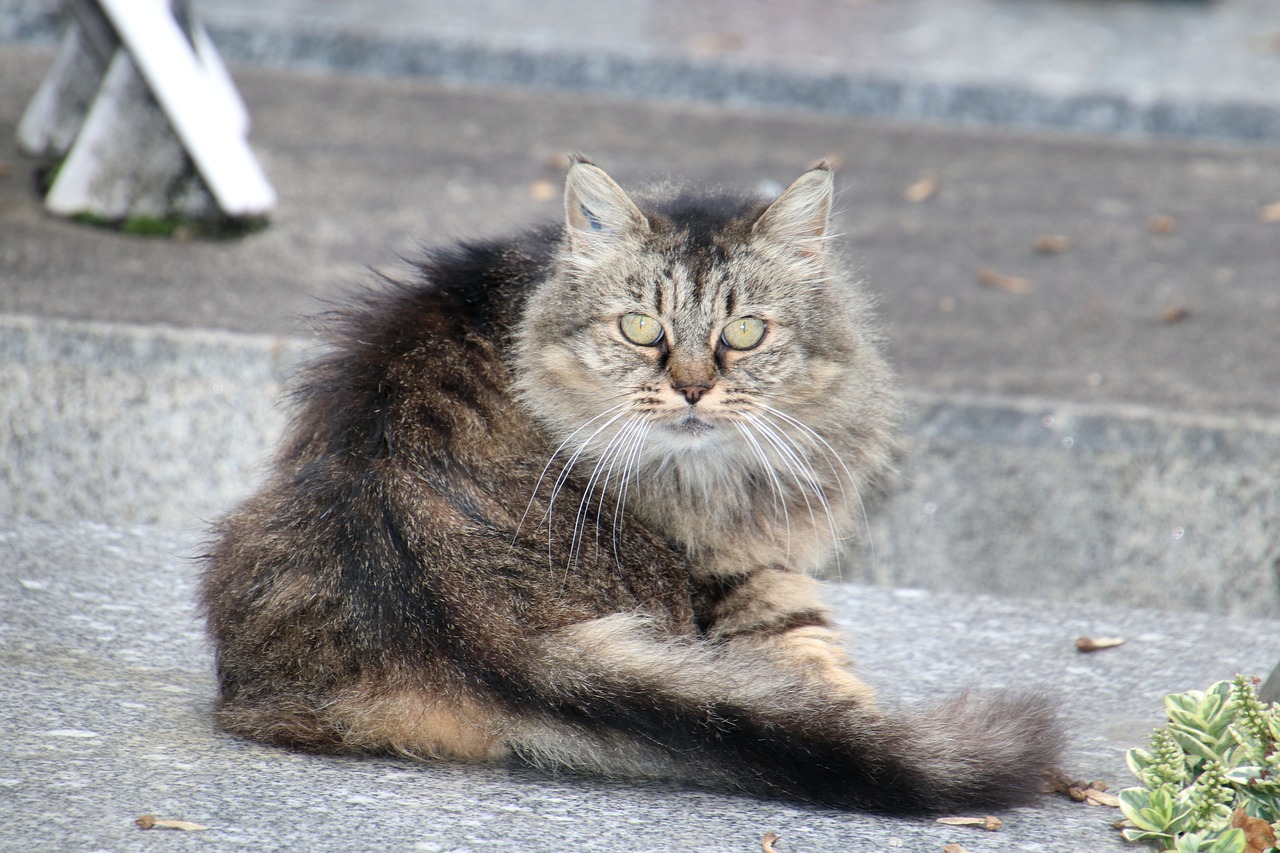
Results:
<point x="799" y="218"/>
<point x="596" y="207"/>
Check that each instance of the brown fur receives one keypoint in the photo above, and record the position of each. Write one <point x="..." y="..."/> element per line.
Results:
<point x="499" y="528"/>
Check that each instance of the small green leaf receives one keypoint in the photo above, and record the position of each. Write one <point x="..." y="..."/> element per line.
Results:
<point x="1144" y="835"/>
<point x="1230" y="841"/>
<point x="1135" y="805"/>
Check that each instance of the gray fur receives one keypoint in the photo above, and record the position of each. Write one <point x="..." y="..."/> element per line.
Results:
<point x="512" y="521"/>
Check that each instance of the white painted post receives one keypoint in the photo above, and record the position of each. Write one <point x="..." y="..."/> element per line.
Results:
<point x="146" y="118"/>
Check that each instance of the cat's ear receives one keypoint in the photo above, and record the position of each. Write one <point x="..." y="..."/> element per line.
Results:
<point x="595" y="206"/>
<point x="799" y="218"/>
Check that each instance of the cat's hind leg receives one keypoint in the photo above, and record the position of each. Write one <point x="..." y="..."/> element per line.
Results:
<point x="784" y="610"/>
<point x="414" y="719"/>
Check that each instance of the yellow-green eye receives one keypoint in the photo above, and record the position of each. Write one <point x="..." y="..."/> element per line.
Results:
<point x="743" y="333"/>
<point x="641" y="329"/>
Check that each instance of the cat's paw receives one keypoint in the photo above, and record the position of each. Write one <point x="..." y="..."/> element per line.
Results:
<point x="820" y="653"/>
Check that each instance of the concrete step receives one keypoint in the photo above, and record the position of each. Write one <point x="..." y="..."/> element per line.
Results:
<point x="1069" y="446"/>
<point x="1175" y="69"/>
<point x="108" y="689"/>
<point x="1013" y="497"/>
<point x="1069" y="442"/>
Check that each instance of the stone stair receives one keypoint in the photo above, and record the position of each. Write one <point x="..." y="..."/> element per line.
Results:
<point x="1079" y="466"/>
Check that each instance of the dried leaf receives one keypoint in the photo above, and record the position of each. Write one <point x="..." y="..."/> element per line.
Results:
<point x="1259" y="835"/>
<point x="954" y="848"/>
<point x="922" y="190"/>
<point x="767" y="842"/>
<point x="1270" y="212"/>
<point x="1093" y="644"/>
<point x="988" y="277"/>
<point x="714" y="44"/>
<point x="1161" y="224"/>
<point x="1052" y="244"/>
<point x="989" y="823"/>
<point x="1093" y="793"/>
<point x="1094" y="797"/>
<point x="542" y="190"/>
<point x="1174" y="314"/>
<point x="148" y="821"/>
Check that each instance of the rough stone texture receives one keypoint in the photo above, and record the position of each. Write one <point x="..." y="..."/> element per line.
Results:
<point x="1086" y="504"/>
<point x="108" y="689"/>
<point x="131" y="424"/>
<point x="1022" y="498"/>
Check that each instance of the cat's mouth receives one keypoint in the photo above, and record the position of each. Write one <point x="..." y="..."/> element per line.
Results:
<point x="691" y="426"/>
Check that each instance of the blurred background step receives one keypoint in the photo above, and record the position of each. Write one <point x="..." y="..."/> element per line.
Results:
<point x="1183" y="68"/>
<point x="1016" y="497"/>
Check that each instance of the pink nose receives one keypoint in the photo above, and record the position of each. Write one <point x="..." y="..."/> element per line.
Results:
<point x="692" y="393"/>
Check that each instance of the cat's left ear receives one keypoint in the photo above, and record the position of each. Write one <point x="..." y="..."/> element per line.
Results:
<point x="595" y="206"/>
<point x="799" y="217"/>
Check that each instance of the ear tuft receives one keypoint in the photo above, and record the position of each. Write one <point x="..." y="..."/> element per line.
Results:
<point x="595" y="205"/>
<point x="800" y="216"/>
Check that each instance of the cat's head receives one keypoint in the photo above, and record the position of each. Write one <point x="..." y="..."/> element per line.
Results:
<point x="701" y="320"/>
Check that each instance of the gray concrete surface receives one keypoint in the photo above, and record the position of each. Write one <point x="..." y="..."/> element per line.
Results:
<point x="1166" y="496"/>
<point x="108" y="684"/>
<point x="1069" y="444"/>
<point x="369" y="169"/>
<point x="1030" y="498"/>
<point x="1119" y="66"/>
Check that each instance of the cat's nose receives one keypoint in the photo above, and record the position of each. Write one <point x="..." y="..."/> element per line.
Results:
<point x="692" y="393"/>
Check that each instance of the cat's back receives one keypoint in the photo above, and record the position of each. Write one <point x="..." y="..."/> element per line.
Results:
<point x="421" y="357"/>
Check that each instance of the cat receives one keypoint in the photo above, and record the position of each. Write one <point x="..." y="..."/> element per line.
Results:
<point x="558" y="499"/>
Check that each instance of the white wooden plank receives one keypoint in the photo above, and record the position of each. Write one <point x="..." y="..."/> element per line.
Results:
<point x="204" y="118"/>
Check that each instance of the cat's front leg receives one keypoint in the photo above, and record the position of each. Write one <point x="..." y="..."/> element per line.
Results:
<point x="784" y="610"/>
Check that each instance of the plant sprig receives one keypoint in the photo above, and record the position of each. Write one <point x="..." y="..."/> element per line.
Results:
<point x="1211" y="777"/>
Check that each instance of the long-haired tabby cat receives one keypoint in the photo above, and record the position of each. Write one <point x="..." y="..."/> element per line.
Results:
<point x="555" y="499"/>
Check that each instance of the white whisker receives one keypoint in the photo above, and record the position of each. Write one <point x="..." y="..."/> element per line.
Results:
<point x="564" y="478"/>
<point x="830" y="453"/>
<point x="604" y="464"/>
<point x="775" y="485"/>
<point x="801" y="471"/>
<point x="630" y="469"/>
<point x="551" y="460"/>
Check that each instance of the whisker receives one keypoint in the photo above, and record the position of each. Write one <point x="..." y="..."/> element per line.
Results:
<point x="775" y="485"/>
<point x="604" y="464"/>
<point x="801" y="471"/>
<point x="830" y="454"/>
<point x="564" y="478"/>
<point x="545" y="468"/>
<point x="630" y="469"/>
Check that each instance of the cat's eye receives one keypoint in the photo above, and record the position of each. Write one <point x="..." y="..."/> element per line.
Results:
<point x="743" y="333"/>
<point x="641" y="329"/>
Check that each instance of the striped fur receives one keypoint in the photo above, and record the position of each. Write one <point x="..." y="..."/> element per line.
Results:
<point x="499" y="529"/>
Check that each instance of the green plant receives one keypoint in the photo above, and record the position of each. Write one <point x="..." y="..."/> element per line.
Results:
<point x="1211" y="778"/>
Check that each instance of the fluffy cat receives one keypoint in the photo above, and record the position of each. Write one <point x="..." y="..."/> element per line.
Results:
<point x="555" y="500"/>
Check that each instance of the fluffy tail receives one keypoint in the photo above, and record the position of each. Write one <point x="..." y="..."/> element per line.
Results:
<point x="618" y="699"/>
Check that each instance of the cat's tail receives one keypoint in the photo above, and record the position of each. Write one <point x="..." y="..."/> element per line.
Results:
<point x="616" y="697"/>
